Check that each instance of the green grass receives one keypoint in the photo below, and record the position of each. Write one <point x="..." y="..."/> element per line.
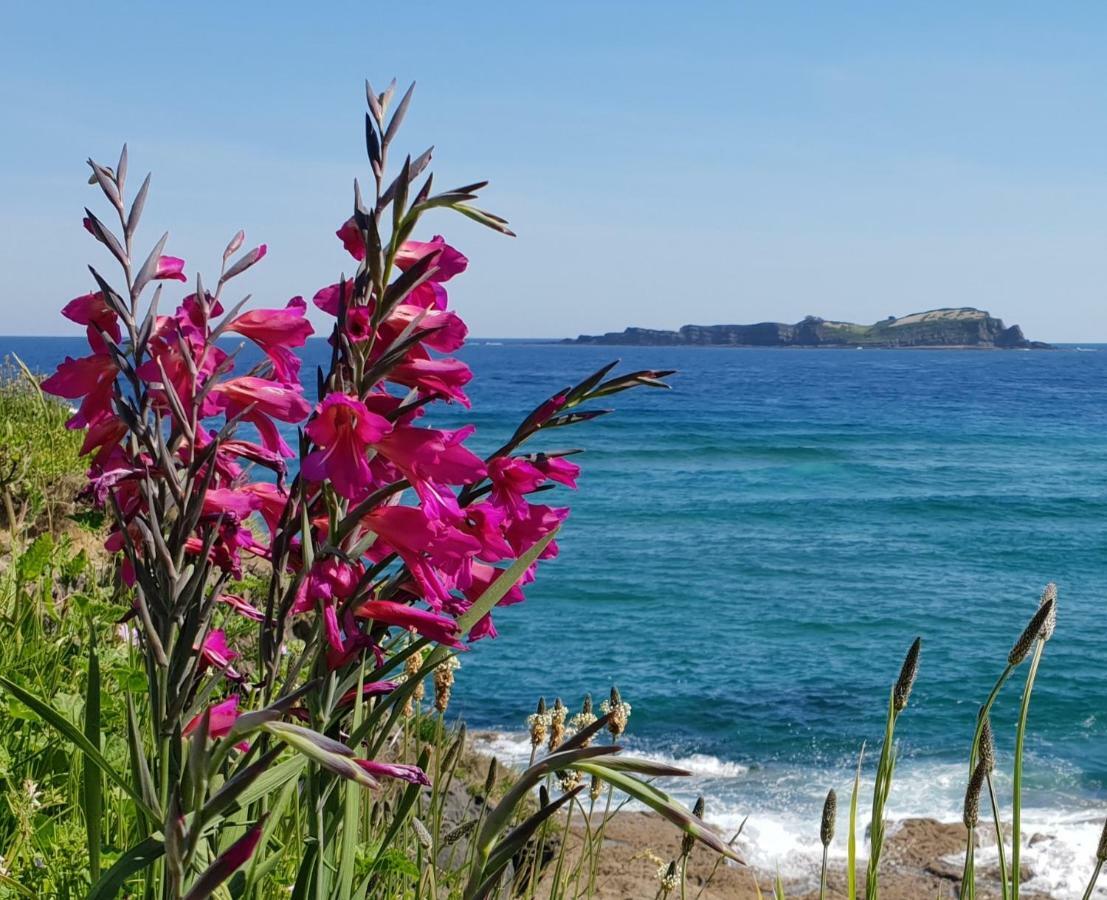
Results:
<point x="40" y="465"/>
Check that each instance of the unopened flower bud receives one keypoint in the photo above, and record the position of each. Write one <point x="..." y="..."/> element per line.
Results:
<point x="490" y="778"/>
<point x="687" y="842"/>
<point x="906" y="679"/>
<point x="421" y="834"/>
<point x="971" y="814"/>
<point x="987" y="746"/>
<point x="1030" y="633"/>
<point x="830" y="813"/>
<point x="1050" y="593"/>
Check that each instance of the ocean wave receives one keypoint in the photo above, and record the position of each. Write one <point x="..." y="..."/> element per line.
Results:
<point x="780" y="806"/>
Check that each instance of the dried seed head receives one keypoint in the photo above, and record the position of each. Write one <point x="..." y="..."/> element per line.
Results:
<point x="987" y="746"/>
<point x="667" y="876"/>
<point x="594" y="788"/>
<point x="570" y="779"/>
<point x="444" y="682"/>
<point x="490" y="778"/>
<point x="972" y="796"/>
<point x="586" y="706"/>
<point x="557" y="724"/>
<point x="619" y="710"/>
<point x="538" y="723"/>
<point x="1030" y="633"/>
<point x="1050" y="593"/>
<point x="421" y="834"/>
<point x="463" y="830"/>
<point x="906" y="679"/>
<point x="1101" y="850"/>
<point x="412" y="665"/>
<point x="830" y="814"/>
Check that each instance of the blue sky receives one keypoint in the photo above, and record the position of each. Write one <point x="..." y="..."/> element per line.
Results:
<point x="662" y="163"/>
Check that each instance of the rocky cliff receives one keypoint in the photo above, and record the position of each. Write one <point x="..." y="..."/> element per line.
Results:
<point x="963" y="327"/>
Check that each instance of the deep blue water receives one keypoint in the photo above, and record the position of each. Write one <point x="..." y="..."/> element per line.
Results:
<point x="751" y="553"/>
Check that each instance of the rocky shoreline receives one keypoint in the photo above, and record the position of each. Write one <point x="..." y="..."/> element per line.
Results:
<point x="923" y="858"/>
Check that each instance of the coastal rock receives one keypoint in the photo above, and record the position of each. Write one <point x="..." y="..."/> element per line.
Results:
<point x="960" y="327"/>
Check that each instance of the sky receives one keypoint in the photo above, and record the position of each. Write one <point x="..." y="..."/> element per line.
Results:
<point x="662" y="163"/>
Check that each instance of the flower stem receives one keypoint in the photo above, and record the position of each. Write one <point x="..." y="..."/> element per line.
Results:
<point x="1095" y="878"/>
<point x="1003" y="883"/>
<point x="1016" y="803"/>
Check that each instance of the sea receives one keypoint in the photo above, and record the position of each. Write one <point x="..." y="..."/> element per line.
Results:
<point x="750" y="554"/>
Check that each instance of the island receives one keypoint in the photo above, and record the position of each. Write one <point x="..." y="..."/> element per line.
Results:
<point x="960" y="328"/>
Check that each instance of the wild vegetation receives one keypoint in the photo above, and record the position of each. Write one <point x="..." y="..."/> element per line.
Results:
<point x="214" y="665"/>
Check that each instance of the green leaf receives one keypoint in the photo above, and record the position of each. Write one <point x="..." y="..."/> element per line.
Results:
<point x="270" y="781"/>
<point x="92" y="781"/>
<point x="50" y="715"/>
<point x="325" y="752"/>
<point x="134" y="860"/>
<point x="851" y="846"/>
<point x="351" y="812"/>
<point x="496" y="591"/>
<point x="35" y="560"/>
<point x="514" y="841"/>
<point x="662" y="804"/>
<point x="14" y="885"/>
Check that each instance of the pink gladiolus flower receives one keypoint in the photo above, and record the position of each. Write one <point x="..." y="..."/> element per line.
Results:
<point x="330" y="581"/>
<point x="249" y="451"/>
<point x="438" y="377"/>
<point x="271" y="502"/>
<point x="428" y="457"/>
<point x="485" y="522"/>
<point x="513" y="477"/>
<point x="424" y="544"/>
<point x="92" y="311"/>
<point x="327" y="299"/>
<point x="350" y="235"/>
<point x="237" y="855"/>
<point x="223" y="716"/>
<point x="230" y="502"/>
<point x="526" y="530"/>
<point x="481" y="578"/>
<point x="243" y="607"/>
<point x="103" y="436"/>
<point x="265" y="400"/>
<point x="216" y="653"/>
<point x="276" y="331"/>
<point x="170" y="267"/>
<point x="449" y="262"/>
<point x="359" y="324"/>
<point x="440" y="629"/>
<point x="394" y="770"/>
<point x="90" y="377"/>
<point x="372" y="689"/>
<point x="343" y="428"/>
<point x="443" y="331"/>
<point x="558" y="468"/>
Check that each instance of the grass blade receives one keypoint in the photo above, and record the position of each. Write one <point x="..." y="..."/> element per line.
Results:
<point x="92" y="779"/>
<point x="134" y="860"/>
<point x="851" y="844"/>
<point x="61" y="724"/>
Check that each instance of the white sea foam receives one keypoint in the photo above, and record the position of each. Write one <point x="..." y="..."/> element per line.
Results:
<point x="781" y="807"/>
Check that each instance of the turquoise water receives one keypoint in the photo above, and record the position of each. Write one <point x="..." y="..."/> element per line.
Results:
<point x="750" y="554"/>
